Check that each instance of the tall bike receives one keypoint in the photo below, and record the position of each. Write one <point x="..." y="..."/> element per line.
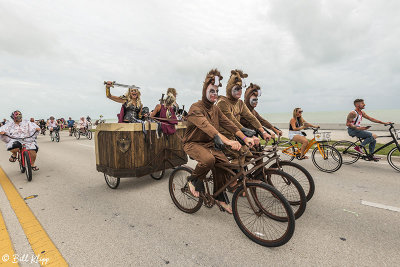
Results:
<point x="324" y="156"/>
<point x="350" y="155"/>
<point x="263" y="215"/>
<point x="24" y="157"/>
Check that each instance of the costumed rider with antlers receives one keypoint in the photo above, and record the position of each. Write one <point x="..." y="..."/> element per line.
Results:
<point x="234" y="109"/>
<point x="131" y="110"/>
<point x="203" y="136"/>
<point x="251" y="100"/>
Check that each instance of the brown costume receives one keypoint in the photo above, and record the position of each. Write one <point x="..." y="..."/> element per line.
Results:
<point x="249" y="92"/>
<point x="235" y="109"/>
<point x="205" y="121"/>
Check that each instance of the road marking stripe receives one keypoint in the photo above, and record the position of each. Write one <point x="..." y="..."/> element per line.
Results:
<point x="380" y="206"/>
<point x="6" y="246"/>
<point x="37" y="236"/>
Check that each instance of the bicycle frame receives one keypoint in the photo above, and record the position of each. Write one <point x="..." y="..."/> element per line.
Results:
<point x="297" y="148"/>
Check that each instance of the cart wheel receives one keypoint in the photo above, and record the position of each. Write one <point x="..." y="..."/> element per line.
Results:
<point x="112" y="182"/>
<point x="158" y="175"/>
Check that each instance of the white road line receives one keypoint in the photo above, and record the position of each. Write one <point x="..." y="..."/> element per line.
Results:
<point x="380" y="206"/>
<point x="85" y="145"/>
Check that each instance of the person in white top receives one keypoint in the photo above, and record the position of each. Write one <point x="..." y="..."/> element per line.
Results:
<point x="53" y="125"/>
<point x="23" y="129"/>
<point x="83" y="124"/>
<point x="355" y="129"/>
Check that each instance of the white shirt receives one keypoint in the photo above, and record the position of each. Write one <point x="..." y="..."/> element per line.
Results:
<point x="24" y="129"/>
<point x="82" y="123"/>
<point x="53" y="124"/>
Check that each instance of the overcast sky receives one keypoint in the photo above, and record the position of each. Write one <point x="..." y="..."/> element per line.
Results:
<point x="319" y="55"/>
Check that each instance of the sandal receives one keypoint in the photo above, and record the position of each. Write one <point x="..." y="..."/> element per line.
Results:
<point x="225" y="207"/>
<point x="303" y="157"/>
<point x="35" y="168"/>
<point x="12" y="158"/>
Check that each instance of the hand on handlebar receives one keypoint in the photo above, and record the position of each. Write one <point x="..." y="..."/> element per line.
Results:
<point x="235" y="145"/>
<point x="250" y="141"/>
<point x="267" y="136"/>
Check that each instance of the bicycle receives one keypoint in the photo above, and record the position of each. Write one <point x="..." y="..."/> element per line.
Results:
<point x="350" y="155"/>
<point x="43" y="130"/>
<point x="24" y="157"/>
<point x="324" y="156"/>
<point x="86" y="133"/>
<point x="273" y="220"/>
<point x="55" y="135"/>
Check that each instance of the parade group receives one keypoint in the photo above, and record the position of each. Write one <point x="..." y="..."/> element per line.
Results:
<point x="213" y="121"/>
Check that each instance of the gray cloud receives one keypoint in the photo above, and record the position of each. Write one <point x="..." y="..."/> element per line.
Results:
<point x="315" y="54"/>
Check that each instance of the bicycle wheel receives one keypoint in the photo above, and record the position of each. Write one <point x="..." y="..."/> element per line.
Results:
<point x="111" y="181"/>
<point x="286" y="150"/>
<point x="290" y="189"/>
<point x="158" y="175"/>
<point x="57" y="137"/>
<point x="180" y="192"/>
<point x="299" y="173"/>
<point x="52" y="137"/>
<point x="78" y="134"/>
<point x="89" y="135"/>
<point x="28" y="166"/>
<point x="394" y="158"/>
<point x="326" y="158"/>
<point x="257" y="224"/>
<point x="21" y="166"/>
<point x="346" y="149"/>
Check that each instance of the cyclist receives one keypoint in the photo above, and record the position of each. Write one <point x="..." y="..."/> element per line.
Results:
<point x="19" y="128"/>
<point x="82" y="124"/>
<point x="52" y="125"/>
<point x="251" y="99"/>
<point x="70" y="125"/>
<point x="297" y="123"/>
<point x="204" y="123"/>
<point x="354" y="128"/>
<point x="42" y="125"/>
<point x="166" y="111"/>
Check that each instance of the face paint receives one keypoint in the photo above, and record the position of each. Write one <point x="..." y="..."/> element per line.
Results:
<point x="237" y="92"/>
<point x="253" y="101"/>
<point x="212" y="93"/>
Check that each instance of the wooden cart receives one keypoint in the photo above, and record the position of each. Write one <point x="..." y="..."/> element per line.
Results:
<point x="124" y="150"/>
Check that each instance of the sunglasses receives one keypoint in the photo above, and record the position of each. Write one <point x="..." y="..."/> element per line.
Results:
<point x="300" y="111"/>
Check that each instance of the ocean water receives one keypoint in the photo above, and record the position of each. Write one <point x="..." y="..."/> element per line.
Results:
<point x="392" y="115"/>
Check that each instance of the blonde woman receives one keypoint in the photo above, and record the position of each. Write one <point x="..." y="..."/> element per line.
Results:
<point x="131" y="109"/>
<point x="297" y="123"/>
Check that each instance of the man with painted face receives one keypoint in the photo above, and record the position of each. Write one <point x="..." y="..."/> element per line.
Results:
<point x="20" y="129"/>
<point x="251" y="100"/>
<point x="205" y="121"/>
<point x="234" y="108"/>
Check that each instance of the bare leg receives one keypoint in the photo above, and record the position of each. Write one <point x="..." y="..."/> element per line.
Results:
<point x="33" y="156"/>
<point x="304" y="143"/>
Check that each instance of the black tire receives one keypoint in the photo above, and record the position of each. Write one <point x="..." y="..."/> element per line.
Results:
<point x="28" y="166"/>
<point x="265" y="199"/>
<point x="394" y="158"/>
<point x="89" y="135"/>
<point x="286" y="150"/>
<point x="78" y="134"/>
<point x="21" y="167"/>
<point x="57" y="137"/>
<point x="111" y="181"/>
<point x="180" y="193"/>
<point x="158" y="175"/>
<point x="330" y="161"/>
<point x="290" y="188"/>
<point x="299" y="173"/>
<point x="346" y="149"/>
<point x="52" y="136"/>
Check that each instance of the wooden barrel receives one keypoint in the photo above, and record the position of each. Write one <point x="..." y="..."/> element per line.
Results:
<point x="124" y="150"/>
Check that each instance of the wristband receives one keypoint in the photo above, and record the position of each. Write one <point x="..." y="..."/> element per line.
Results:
<point x="244" y="138"/>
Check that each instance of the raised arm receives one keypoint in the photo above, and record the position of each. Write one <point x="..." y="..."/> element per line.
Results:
<point x="108" y="94"/>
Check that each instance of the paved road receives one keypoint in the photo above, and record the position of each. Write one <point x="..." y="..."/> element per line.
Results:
<point x="137" y="224"/>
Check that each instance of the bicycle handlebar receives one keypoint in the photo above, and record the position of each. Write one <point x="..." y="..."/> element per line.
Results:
<point x="19" y="138"/>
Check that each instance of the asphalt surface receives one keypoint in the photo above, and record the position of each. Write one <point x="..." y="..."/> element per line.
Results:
<point x="137" y="224"/>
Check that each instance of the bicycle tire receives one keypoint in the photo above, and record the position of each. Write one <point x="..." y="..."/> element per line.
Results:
<point x="346" y="149"/>
<point x="52" y="137"/>
<point x="290" y="188"/>
<point x="157" y="175"/>
<point x="21" y="166"/>
<point x="394" y="162"/>
<point x="57" y="137"/>
<point x="329" y="152"/>
<point x="111" y="181"/>
<point x="89" y="135"/>
<point x="78" y="135"/>
<point x="180" y="193"/>
<point x="300" y="174"/>
<point x="286" y="146"/>
<point x="28" y="166"/>
<point x="262" y="197"/>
